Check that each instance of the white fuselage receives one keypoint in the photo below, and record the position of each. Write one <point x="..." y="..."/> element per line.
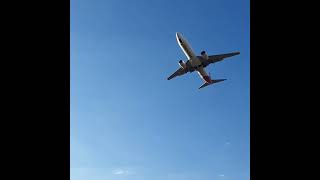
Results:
<point x="194" y="60"/>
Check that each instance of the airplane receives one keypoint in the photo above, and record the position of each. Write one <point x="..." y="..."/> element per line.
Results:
<point x="198" y="63"/>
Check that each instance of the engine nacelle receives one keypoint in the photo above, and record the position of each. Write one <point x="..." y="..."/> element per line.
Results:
<point x="204" y="55"/>
<point x="182" y="64"/>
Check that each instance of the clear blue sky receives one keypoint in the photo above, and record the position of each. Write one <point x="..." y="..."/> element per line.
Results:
<point x="127" y="121"/>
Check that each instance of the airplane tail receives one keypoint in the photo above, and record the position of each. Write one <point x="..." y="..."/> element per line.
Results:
<point x="213" y="81"/>
<point x="218" y="80"/>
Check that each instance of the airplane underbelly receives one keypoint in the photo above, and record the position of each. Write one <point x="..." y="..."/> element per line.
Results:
<point x="188" y="51"/>
<point x="203" y="74"/>
<point x="195" y="62"/>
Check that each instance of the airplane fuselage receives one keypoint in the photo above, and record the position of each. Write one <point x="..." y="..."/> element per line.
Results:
<point x="194" y="60"/>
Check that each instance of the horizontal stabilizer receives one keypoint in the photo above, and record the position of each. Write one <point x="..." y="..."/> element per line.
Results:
<point x="217" y="80"/>
<point x="213" y="81"/>
<point x="204" y="85"/>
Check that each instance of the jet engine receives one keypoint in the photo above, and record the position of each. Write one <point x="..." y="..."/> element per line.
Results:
<point x="182" y="64"/>
<point x="204" y="55"/>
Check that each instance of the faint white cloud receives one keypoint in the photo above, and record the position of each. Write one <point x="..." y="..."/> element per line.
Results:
<point x="122" y="172"/>
<point x="221" y="175"/>
<point x="227" y="143"/>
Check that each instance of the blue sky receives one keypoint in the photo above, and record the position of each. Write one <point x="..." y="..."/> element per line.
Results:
<point x="127" y="121"/>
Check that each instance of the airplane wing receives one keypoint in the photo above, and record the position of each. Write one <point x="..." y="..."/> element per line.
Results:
<point x="219" y="57"/>
<point x="179" y="72"/>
